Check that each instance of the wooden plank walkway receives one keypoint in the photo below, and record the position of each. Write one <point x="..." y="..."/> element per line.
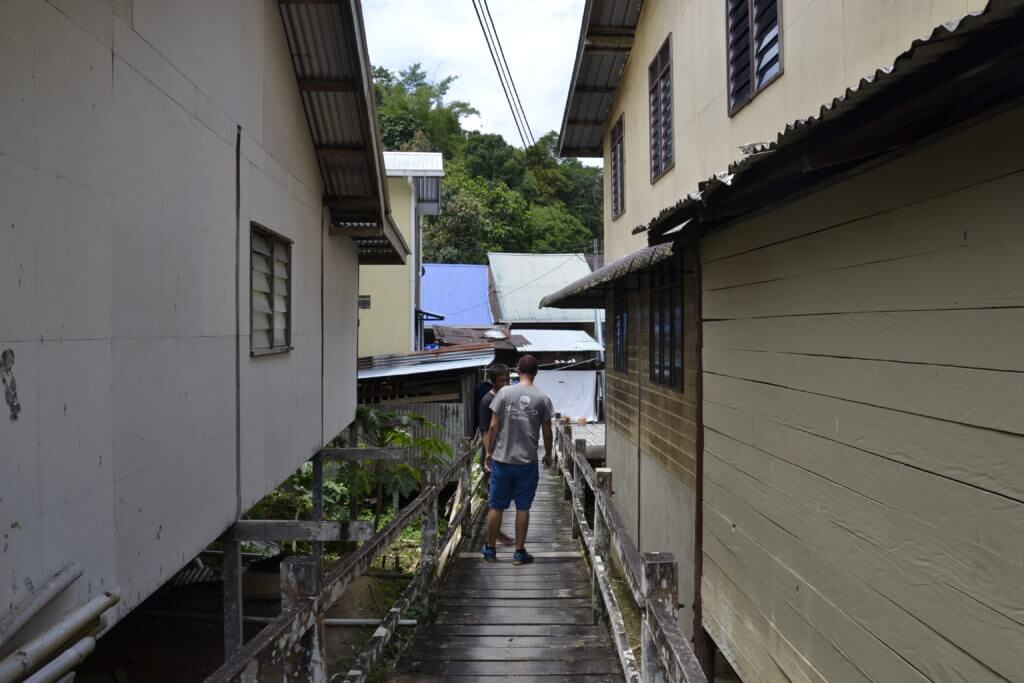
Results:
<point x="496" y="621"/>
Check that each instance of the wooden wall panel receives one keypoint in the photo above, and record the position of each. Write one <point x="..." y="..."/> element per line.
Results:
<point x="864" y="424"/>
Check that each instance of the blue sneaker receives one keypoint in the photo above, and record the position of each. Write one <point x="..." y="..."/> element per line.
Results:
<point x="522" y="557"/>
<point x="490" y="554"/>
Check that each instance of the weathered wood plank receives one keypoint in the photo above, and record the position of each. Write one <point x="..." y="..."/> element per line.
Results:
<point x="298" y="530"/>
<point x="528" y="642"/>
<point x="944" y="279"/>
<point x="479" y="653"/>
<point x="453" y="603"/>
<point x="875" y="576"/>
<point x="983" y="398"/>
<point x="514" y="615"/>
<point x="516" y="593"/>
<point x="898" y="234"/>
<point x="977" y="457"/>
<point x="989" y="578"/>
<point x="986" y="152"/>
<point x="537" y="668"/>
<point x="443" y="631"/>
<point x="994" y="521"/>
<point x="936" y="337"/>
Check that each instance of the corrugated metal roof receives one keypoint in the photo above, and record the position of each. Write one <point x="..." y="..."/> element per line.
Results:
<point x="520" y="281"/>
<point x="589" y="291"/>
<point x="540" y="341"/>
<point x="420" y="362"/>
<point x="414" y="163"/>
<point x="458" y="292"/>
<point x="327" y="42"/>
<point x="606" y="37"/>
<point x="978" y="54"/>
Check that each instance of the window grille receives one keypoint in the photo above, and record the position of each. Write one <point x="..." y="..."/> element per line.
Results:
<point x="666" y="322"/>
<point x="618" y="181"/>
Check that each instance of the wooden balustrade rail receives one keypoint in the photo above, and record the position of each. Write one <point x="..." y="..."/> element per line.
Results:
<point x="293" y="641"/>
<point x="666" y="654"/>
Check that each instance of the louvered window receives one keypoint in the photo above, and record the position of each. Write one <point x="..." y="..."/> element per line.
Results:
<point x="270" y="292"/>
<point x="667" y="322"/>
<point x="620" y="309"/>
<point x="660" y="105"/>
<point x="618" y="178"/>
<point x="755" y="48"/>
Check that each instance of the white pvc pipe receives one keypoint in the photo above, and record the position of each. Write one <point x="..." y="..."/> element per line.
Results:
<point x="64" y="662"/>
<point x="21" y="615"/>
<point x="42" y="647"/>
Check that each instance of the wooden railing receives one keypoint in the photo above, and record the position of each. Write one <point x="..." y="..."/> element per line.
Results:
<point x="294" y="641"/>
<point x="652" y="578"/>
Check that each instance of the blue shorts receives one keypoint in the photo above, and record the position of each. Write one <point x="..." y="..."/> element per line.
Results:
<point x="518" y="482"/>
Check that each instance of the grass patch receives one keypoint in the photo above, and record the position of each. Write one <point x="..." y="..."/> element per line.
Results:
<point x="631" y="616"/>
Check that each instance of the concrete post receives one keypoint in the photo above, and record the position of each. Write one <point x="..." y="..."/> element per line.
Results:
<point x="660" y="583"/>
<point x="602" y="540"/>
<point x="305" y="662"/>
<point x="232" y="573"/>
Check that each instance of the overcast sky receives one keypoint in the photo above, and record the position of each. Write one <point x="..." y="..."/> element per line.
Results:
<point x="539" y="38"/>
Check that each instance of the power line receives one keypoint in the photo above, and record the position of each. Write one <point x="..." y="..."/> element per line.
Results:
<point x="494" y="60"/>
<point x="508" y="71"/>
<point x="504" y="74"/>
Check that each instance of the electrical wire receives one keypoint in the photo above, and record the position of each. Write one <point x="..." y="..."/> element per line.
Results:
<point x="494" y="60"/>
<point x="515" y="91"/>
<point x="516" y="289"/>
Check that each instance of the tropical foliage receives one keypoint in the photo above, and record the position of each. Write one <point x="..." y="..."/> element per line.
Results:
<point x="497" y="197"/>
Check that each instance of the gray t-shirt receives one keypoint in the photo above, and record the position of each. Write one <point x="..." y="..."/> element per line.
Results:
<point x="520" y="409"/>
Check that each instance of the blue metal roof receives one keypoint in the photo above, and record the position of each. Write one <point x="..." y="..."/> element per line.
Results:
<point x="458" y="292"/>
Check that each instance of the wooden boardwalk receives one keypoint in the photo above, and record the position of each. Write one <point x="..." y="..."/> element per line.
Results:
<point x="498" y="621"/>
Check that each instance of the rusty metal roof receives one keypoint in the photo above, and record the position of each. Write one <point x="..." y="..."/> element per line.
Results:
<point x="606" y="38"/>
<point x="963" y="69"/>
<point x="589" y="291"/>
<point x="327" y="42"/>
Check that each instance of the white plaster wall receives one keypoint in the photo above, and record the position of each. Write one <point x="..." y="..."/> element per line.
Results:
<point x="117" y="295"/>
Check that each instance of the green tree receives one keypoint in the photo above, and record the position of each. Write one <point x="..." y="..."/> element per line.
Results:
<point x="488" y="156"/>
<point x="412" y="111"/>
<point x="557" y="230"/>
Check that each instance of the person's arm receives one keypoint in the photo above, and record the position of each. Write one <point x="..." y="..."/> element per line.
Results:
<point x="545" y="429"/>
<point x="490" y="439"/>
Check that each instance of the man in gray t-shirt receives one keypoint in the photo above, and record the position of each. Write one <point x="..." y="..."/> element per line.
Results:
<point x="521" y="412"/>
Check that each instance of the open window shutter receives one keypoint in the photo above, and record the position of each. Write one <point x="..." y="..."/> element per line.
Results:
<point x="766" y="41"/>
<point x="740" y="86"/>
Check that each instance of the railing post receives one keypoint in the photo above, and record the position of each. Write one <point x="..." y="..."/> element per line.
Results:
<point x="602" y="539"/>
<point x="232" y="573"/>
<point x="466" y="484"/>
<point x="305" y="662"/>
<point x="568" y="471"/>
<point x="318" y="512"/>
<point x="578" y="484"/>
<point x="660" y="583"/>
<point x="428" y="539"/>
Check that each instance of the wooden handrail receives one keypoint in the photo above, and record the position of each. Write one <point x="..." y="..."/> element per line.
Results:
<point x="666" y="653"/>
<point x="270" y="647"/>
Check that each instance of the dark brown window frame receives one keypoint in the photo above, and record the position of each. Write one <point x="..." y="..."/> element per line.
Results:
<point x="620" y="327"/>
<point x="755" y="88"/>
<point x="274" y="239"/>
<point x="666" y="296"/>
<point x="617" y="154"/>
<point x="659" y="77"/>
